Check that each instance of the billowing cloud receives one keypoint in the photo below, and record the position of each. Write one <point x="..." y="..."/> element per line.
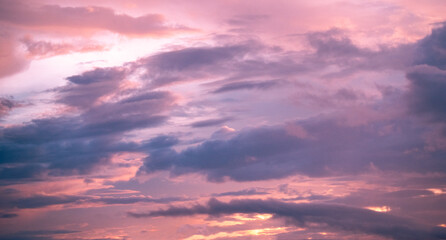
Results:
<point x="76" y="144"/>
<point x="40" y="201"/>
<point x="75" y="18"/>
<point x="428" y="78"/>
<point x="338" y="217"/>
<point x="244" y="192"/>
<point x="334" y="47"/>
<point x="41" y="49"/>
<point x="6" y="105"/>
<point x="210" y="122"/>
<point x="37" y="235"/>
<point x="262" y="85"/>
<point x="427" y="97"/>
<point x="335" y="122"/>
<point x="12" y="60"/>
<point x="83" y="90"/>
<point x="431" y="49"/>
<point x="328" y="148"/>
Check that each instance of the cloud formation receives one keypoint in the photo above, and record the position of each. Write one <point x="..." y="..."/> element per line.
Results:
<point x="320" y="148"/>
<point x="6" y="105"/>
<point x="75" y="18"/>
<point x="334" y="216"/>
<point x="76" y="144"/>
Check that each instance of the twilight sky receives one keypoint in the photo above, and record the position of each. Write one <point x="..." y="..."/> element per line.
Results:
<point x="200" y="120"/>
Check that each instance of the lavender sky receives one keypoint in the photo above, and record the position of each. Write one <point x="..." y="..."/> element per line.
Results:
<point x="256" y="119"/>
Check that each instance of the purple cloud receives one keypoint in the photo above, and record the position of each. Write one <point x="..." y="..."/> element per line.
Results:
<point x="338" y="217"/>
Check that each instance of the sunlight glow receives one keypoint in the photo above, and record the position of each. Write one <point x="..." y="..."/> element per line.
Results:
<point x="380" y="209"/>
<point x="252" y="232"/>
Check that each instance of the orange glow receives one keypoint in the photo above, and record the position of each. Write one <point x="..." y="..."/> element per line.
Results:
<point x="253" y="218"/>
<point x="436" y="191"/>
<point x="243" y="233"/>
<point x="224" y="223"/>
<point x="380" y="209"/>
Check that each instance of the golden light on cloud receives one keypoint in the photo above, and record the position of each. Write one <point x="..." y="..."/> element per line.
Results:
<point x="224" y="223"/>
<point x="242" y="233"/>
<point x="243" y="217"/>
<point x="380" y="209"/>
<point x="436" y="191"/>
<point x="193" y="119"/>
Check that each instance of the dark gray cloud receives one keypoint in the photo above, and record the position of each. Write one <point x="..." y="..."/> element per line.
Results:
<point x="6" y="105"/>
<point x="428" y="78"/>
<point x="242" y="85"/>
<point x="244" y="192"/>
<point x="215" y="158"/>
<point x="36" y="235"/>
<point x="191" y="63"/>
<point x="432" y="49"/>
<point x="419" y="204"/>
<point x="43" y="201"/>
<point x="131" y="200"/>
<point x="75" y="18"/>
<point x="162" y="141"/>
<point x="336" y="217"/>
<point x="18" y="173"/>
<point x="210" y="122"/>
<point x="83" y="90"/>
<point x="329" y="148"/>
<point x="75" y="145"/>
<point x="227" y="63"/>
<point x="426" y="96"/>
<point x="8" y="215"/>
<point x="334" y="47"/>
<point x="40" y="201"/>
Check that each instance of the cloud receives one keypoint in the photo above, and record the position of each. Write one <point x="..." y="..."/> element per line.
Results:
<point x="36" y="235"/>
<point x="40" y="201"/>
<point x="131" y="200"/>
<point x="162" y="141"/>
<point x="210" y="122"/>
<point x="242" y="65"/>
<point x="431" y="50"/>
<point x="338" y="217"/>
<point x="43" y="201"/>
<point x="261" y="85"/>
<point x="12" y="60"/>
<point x="6" y="105"/>
<point x="190" y="63"/>
<point x="77" y="18"/>
<point x="41" y="49"/>
<point x="77" y="144"/>
<point x="334" y="47"/>
<point x="428" y="77"/>
<point x="426" y="96"/>
<point x="329" y="147"/>
<point x="8" y="215"/>
<point x="244" y="192"/>
<point x="83" y="90"/>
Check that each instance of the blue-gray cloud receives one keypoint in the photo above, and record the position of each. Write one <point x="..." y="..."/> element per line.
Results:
<point x="336" y="217"/>
<point x="210" y="122"/>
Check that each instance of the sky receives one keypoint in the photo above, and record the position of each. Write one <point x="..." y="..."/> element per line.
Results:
<point x="226" y="119"/>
